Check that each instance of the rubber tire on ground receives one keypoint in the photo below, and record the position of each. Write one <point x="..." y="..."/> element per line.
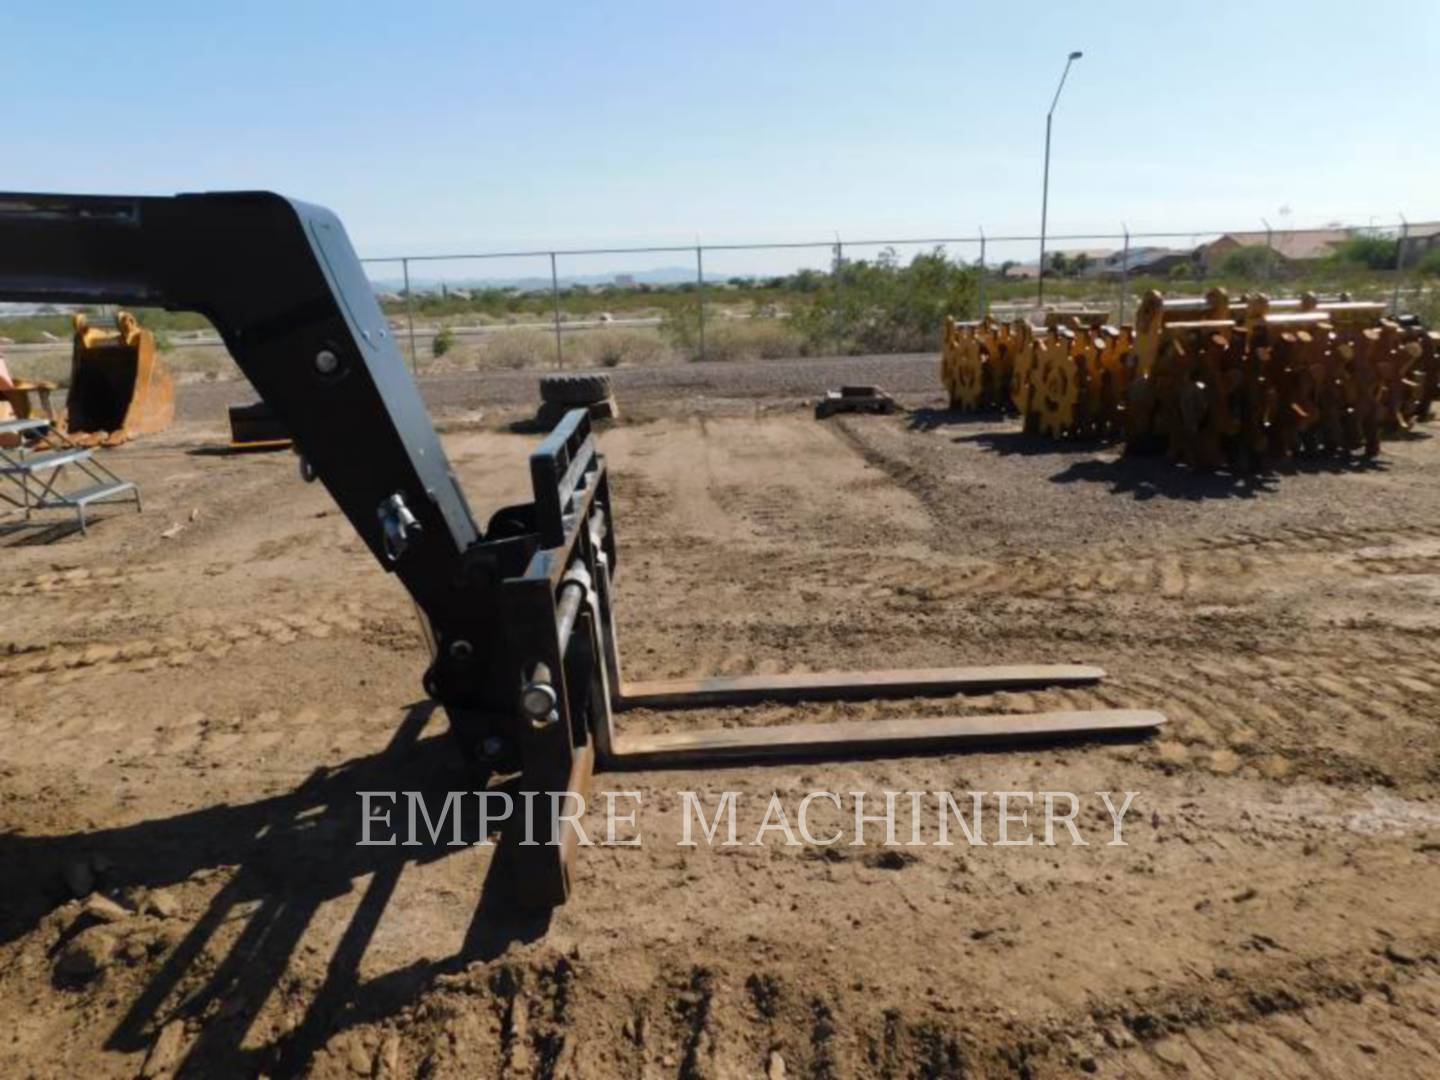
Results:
<point x="574" y="389"/>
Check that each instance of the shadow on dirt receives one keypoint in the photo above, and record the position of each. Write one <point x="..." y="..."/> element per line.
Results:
<point x="1147" y="477"/>
<point x="291" y="855"/>
<point x="1020" y="444"/>
<point x="928" y="419"/>
<point x="1150" y="478"/>
<point x="1154" y="477"/>
<point x="35" y="533"/>
<point x="226" y="450"/>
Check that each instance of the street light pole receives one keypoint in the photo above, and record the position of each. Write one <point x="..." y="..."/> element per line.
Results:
<point x="1045" y="196"/>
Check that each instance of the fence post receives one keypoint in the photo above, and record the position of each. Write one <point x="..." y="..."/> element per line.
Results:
<point x="838" y="273"/>
<point x="1399" y="265"/>
<point x="410" y="315"/>
<point x="982" y="271"/>
<point x="1124" y="271"/>
<point x="1270" y="256"/>
<point x="555" y="292"/>
<point x="700" y="298"/>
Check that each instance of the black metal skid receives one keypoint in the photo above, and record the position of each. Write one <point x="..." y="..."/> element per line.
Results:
<point x="526" y="662"/>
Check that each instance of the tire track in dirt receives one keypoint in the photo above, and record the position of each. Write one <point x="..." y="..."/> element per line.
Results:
<point x="1352" y="713"/>
<point x="1173" y="576"/>
<point x="1227" y="569"/>
<point x="74" y="580"/>
<point x="1340" y="715"/>
<point x="1414" y="565"/>
<point x="1324" y="1020"/>
<point x="543" y="1018"/>
<point x="60" y="664"/>
<point x="298" y="737"/>
<point x="1222" y="715"/>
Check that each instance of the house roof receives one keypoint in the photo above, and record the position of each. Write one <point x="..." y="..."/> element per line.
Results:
<point x="1293" y="243"/>
<point x="1093" y="254"/>
<point x="1141" y="257"/>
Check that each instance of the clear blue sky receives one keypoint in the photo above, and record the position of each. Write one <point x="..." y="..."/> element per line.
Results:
<point x="433" y="127"/>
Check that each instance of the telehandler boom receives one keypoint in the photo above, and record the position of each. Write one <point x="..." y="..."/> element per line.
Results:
<point x="525" y="660"/>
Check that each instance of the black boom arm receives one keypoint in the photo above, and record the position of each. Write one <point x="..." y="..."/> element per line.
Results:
<point x="507" y="606"/>
<point x="526" y="662"/>
<point x="285" y="290"/>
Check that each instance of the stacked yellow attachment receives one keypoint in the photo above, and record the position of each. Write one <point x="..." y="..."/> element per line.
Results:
<point x="1210" y="382"/>
<point x="978" y="359"/>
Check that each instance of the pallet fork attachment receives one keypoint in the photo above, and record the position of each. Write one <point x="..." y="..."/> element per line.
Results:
<point x="519" y="614"/>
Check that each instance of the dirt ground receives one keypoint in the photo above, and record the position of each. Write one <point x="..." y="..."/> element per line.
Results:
<point x="186" y="721"/>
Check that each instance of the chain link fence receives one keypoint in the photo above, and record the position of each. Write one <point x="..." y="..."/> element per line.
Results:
<point x="603" y="307"/>
<point x="586" y="308"/>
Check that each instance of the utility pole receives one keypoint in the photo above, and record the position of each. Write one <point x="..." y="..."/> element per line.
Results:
<point x="1399" y="264"/>
<point x="1045" y="195"/>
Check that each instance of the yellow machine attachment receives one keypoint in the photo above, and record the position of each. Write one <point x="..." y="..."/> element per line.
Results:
<point x="1056" y="377"/>
<point x="1156" y="312"/>
<point x="1077" y="371"/>
<point x="1213" y="382"/>
<point x="976" y="364"/>
<point x="23" y="399"/>
<point x="118" y="387"/>
<point x="1022" y="365"/>
<point x="1114" y="349"/>
<point x="256" y="427"/>
<point x="979" y="361"/>
<point x="952" y="345"/>
<point x="1075" y="318"/>
<point x="1177" y="344"/>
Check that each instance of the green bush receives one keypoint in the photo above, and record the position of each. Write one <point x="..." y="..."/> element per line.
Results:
<point x="1371" y="252"/>
<point x="1426" y="304"/>
<point x="518" y="349"/>
<point x="1429" y="262"/>
<point x="610" y="348"/>
<point x="680" y="326"/>
<point x="443" y="342"/>
<point x="884" y="307"/>
<point x="1251" y="263"/>
<point x="752" y="340"/>
<point x="732" y="339"/>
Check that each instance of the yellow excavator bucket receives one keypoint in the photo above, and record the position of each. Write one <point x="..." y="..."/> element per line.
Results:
<point x="118" y="386"/>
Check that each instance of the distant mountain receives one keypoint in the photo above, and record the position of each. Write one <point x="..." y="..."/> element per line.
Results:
<point x="665" y="275"/>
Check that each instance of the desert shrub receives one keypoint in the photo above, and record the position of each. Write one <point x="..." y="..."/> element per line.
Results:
<point x="1426" y="304"/>
<point x="731" y="339"/>
<point x="443" y="342"/>
<point x="758" y="339"/>
<point x="680" y="326"/>
<point x="41" y="367"/>
<point x="518" y="349"/>
<point x="1430" y="262"/>
<point x="885" y="307"/>
<point x="1371" y="252"/>
<point x="880" y="306"/>
<point x="1250" y="263"/>
<point x="200" y="362"/>
<point x="612" y="347"/>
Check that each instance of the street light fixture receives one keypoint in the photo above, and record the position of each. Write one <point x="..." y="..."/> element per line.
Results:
<point x="1045" y="197"/>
